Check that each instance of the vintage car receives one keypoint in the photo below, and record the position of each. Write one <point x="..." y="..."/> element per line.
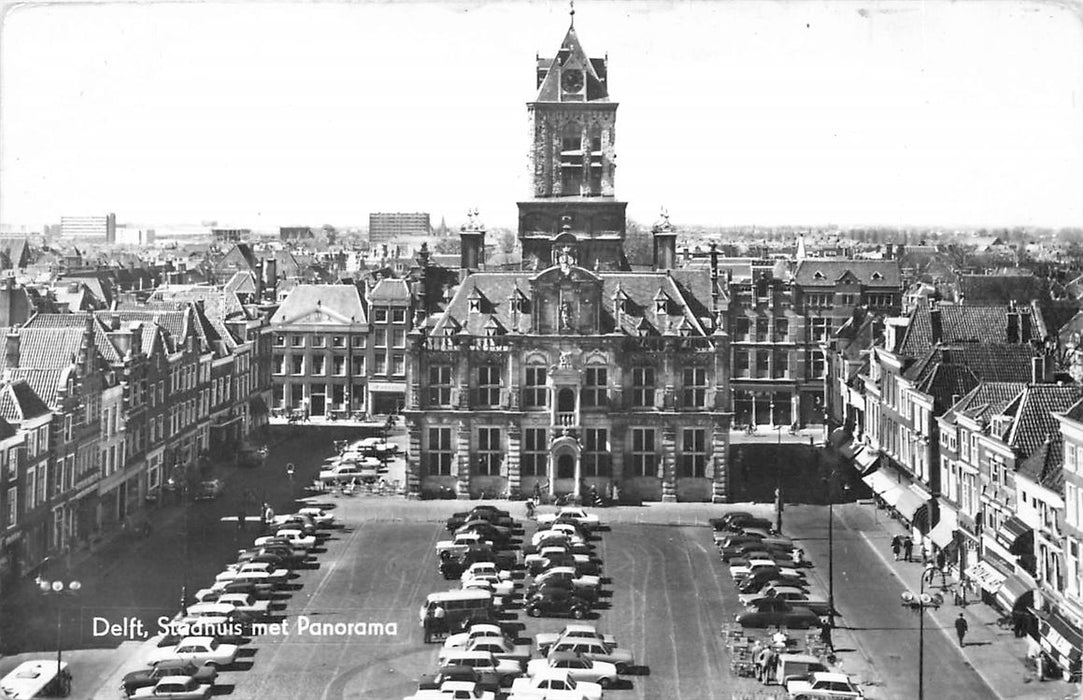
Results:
<point x="568" y="572"/>
<point x="175" y="688"/>
<point x="792" y="595"/>
<point x="739" y="572"/>
<point x="203" y="651"/>
<point x="587" y="520"/>
<point x="779" y="614"/>
<point x="164" y="669"/>
<point x="245" y="603"/>
<point x="484" y="661"/>
<point x="500" y="588"/>
<point x="580" y="630"/>
<point x="484" y="568"/>
<point x="557" y="602"/>
<point x="481" y="512"/>
<point x="723" y="522"/>
<point x="755" y="584"/>
<point x="297" y="538"/>
<point x="318" y="515"/>
<point x="578" y="667"/>
<point x="460" y="543"/>
<point x="588" y="594"/>
<point x="483" y="680"/>
<point x="498" y="645"/>
<point x="835" y="686"/>
<point x="257" y="570"/>
<point x="595" y="649"/>
<point x="545" y="538"/>
<point x="37" y="678"/>
<point x="556" y="684"/>
<point x="477" y="631"/>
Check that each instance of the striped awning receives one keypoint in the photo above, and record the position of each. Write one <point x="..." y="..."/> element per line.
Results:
<point x="1060" y="639"/>
<point x="1012" y="531"/>
<point x="944" y="532"/>
<point x="1014" y="593"/>
<point x="985" y="575"/>
<point x="866" y="458"/>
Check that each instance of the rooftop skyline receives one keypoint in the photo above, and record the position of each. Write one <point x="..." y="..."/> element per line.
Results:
<point x="737" y="113"/>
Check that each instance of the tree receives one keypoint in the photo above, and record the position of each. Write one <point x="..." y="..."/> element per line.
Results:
<point x="448" y="246"/>
<point x="507" y="240"/>
<point x="638" y="244"/>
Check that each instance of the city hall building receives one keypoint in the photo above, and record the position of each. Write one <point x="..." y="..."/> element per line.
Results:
<point x="575" y="372"/>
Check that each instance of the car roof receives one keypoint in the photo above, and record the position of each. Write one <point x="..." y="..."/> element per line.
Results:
<point x="829" y="676"/>
<point x="563" y="655"/>
<point x="579" y="627"/>
<point x="803" y="658"/>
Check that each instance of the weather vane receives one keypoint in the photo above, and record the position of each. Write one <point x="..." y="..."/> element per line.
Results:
<point x="571" y="5"/>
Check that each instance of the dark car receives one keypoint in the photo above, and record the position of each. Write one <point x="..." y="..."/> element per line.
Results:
<point x="589" y="568"/>
<point x="779" y="613"/>
<point x="496" y="533"/>
<point x="483" y="512"/>
<point x="170" y="667"/>
<point x="584" y="548"/>
<point x="563" y="584"/>
<point x="486" y="680"/>
<point x="758" y="583"/>
<point x="726" y="521"/>
<point x="553" y="601"/>
<point x="288" y="556"/>
<point x="740" y="549"/>
<point x="752" y="523"/>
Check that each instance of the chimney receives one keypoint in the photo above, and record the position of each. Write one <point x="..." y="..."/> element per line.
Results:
<point x="1037" y="370"/>
<point x="936" y="327"/>
<point x="1026" y="326"/>
<point x="714" y="277"/>
<point x="472" y="244"/>
<point x="1013" y="324"/>
<point x="665" y="243"/>
<point x="955" y="399"/>
<point x="11" y="352"/>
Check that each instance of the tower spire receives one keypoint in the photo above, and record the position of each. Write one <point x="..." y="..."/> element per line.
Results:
<point x="571" y="11"/>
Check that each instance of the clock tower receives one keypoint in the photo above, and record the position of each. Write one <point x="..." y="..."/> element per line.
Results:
<point x="572" y="164"/>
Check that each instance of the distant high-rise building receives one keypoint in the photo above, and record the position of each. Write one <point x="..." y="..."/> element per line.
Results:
<point x="89" y="227"/>
<point x="385" y="227"/>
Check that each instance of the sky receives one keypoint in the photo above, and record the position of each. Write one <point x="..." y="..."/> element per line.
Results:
<point x="731" y="113"/>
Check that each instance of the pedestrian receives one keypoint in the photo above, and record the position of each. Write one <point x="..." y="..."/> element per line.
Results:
<point x="960" y="628"/>
<point x="798" y="556"/>
<point x="825" y="634"/>
<point x="1019" y="624"/>
<point x="941" y="560"/>
<point x="908" y="549"/>
<point x="440" y="620"/>
<point x="240" y="519"/>
<point x="896" y="546"/>
<point x="924" y="557"/>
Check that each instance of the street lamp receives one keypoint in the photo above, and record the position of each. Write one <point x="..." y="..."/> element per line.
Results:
<point x="59" y="588"/>
<point x="778" y="481"/>
<point x="920" y="602"/>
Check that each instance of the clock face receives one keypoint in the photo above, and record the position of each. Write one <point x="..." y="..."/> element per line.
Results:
<point x="572" y="80"/>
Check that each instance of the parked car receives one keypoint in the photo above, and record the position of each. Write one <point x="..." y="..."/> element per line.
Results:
<point x="209" y="490"/>
<point x="506" y="669"/>
<point x="739" y="572"/>
<point x="557" y="602"/>
<point x="319" y="516"/>
<point x="291" y="535"/>
<point x="199" y="650"/>
<point x="475" y="631"/>
<point x="555" y="535"/>
<point x="590" y="595"/>
<point x="793" y="596"/>
<point x="836" y="686"/>
<point x="579" y="668"/>
<point x="724" y="522"/>
<point x="246" y="603"/>
<point x="570" y="573"/>
<point x="175" y="688"/>
<point x="500" y="588"/>
<point x="485" y="680"/>
<point x="556" y="684"/>
<point x="781" y="615"/>
<point x="755" y="584"/>
<point x="595" y="649"/>
<point x="164" y="669"/>
<point x="745" y="524"/>
<point x="460" y="543"/>
<point x="576" y="630"/>
<point x="499" y="646"/>
<point x="481" y="512"/>
<point x="588" y="520"/>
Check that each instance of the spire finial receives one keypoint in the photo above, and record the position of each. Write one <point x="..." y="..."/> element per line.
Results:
<point x="571" y="10"/>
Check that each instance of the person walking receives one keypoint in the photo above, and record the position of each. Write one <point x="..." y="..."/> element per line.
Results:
<point x="825" y="634"/>
<point x="908" y="549"/>
<point x="896" y="546"/>
<point x="961" y="628"/>
<point x="798" y="556"/>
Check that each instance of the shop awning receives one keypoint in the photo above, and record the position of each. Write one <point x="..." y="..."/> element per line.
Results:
<point x="985" y="576"/>
<point x="944" y="533"/>
<point x="257" y="406"/>
<point x="1060" y="639"/>
<point x="908" y="504"/>
<point x="1012" y="531"/>
<point x="1014" y="593"/>
<point x="879" y="482"/>
<point x="866" y="458"/>
<point x="387" y="387"/>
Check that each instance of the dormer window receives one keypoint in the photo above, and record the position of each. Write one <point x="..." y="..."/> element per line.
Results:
<point x="490" y="331"/>
<point x="474" y="305"/>
<point x="819" y="275"/>
<point x="660" y="306"/>
<point x="877" y="276"/>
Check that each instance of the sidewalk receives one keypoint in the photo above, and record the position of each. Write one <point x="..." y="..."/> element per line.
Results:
<point x="994" y="653"/>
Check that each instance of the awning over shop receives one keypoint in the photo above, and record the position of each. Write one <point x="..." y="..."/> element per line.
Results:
<point x="1014" y="593"/>
<point x="1011" y="532"/>
<point x="985" y="576"/>
<point x="879" y="482"/>
<point x="1061" y="639"/>
<point x="387" y="387"/>
<point x="944" y="533"/>
<point x="866" y="459"/>
<point x="908" y="504"/>
<point x="257" y="406"/>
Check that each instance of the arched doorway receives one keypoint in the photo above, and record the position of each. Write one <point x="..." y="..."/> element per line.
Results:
<point x="564" y="466"/>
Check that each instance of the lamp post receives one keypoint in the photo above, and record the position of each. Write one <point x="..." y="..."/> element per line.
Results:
<point x="922" y="601"/>
<point x="778" y="483"/>
<point x="60" y="588"/>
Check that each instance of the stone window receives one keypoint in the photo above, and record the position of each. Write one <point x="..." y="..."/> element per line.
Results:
<point x="694" y="381"/>
<point x="596" y="452"/>
<point x="440" y="452"/>
<point x="488" y="385"/>
<point x="594" y="389"/>
<point x="535" y="393"/>
<point x="643" y="387"/>
<point x="440" y="385"/>
<point x="693" y="452"/>
<point x="534" y="458"/>
<point x="643" y="453"/>
<point x="490" y="453"/>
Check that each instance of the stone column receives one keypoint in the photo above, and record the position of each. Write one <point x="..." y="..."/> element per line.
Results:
<point x="514" y="369"/>
<point x="669" y="464"/>
<point x="462" y="458"/>
<point x="511" y="458"/>
<point x="413" y="460"/>
<point x="795" y="408"/>
<point x="557" y="131"/>
<point x="584" y="146"/>
<point x="719" y="464"/>
<point x="617" y="438"/>
<point x="607" y="159"/>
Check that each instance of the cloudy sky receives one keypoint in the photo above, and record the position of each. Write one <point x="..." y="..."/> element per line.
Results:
<point x="731" y="113"/>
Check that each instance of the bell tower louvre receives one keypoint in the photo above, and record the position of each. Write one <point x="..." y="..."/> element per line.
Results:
<point x="572" y="164"/>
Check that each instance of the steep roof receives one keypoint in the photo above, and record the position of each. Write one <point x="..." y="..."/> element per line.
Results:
<point x="985" y="400"/>
<point x="241" y="283"/>
<point x="48" y="348"/>
<point x="570" y="56"/>
<point x="960" y="323"/>
<point x="1045" y="465"/>
<point x="388" y="290"/>
<point x="954" y="370"/>
<point x="1031" y="414"/>
<point x="45" y="383"/>
<point x="825" y="272"/>
<point x="19" y="403"/>
<point x="334" y="303"/>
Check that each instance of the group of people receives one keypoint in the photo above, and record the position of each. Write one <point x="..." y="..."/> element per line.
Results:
<point x="435" y="624"/>
<point x="902" y="547"/>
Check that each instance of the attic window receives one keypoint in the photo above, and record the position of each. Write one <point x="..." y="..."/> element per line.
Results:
<point x="621" y="305"/>
<point x="819" y="275"/>
<point x="685" y="329"/>
<point x="877" y="276"/>
<point x="490" y="331"/>
<point x="474" y="304"/>
<point x="660" y="306"/>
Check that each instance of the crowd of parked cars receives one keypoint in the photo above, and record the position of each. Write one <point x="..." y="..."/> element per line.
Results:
<point x="553" y="572"/>
<point x="769" y="571"/>
<point x="210" y="630"/>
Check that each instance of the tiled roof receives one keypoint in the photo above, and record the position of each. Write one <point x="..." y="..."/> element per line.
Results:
<point x="1032" y="415"/>
<point x="6" y="429"/>
<point x="48" y="348"/>
<point x="390" y="290"/>
<point x="173" y="322"/>
<point x="571" y="51"/>
<point x="959" y="323"/>
<point x="1045" y="465"/>
<point x="339" y="301"/>
<point x="987" y="399"/>
<point x="241" y="283"/>
<point x="1001" y="288"/>
<point x="954" y="370"/>
<point x="45" y="383"/>
<point x="18" y="403"/>
<point x="639" y="288"/>
<point x="816" y="272"/>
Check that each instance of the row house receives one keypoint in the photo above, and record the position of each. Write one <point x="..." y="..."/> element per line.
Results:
<point x="928" y="359"/>
<point x="1060" y="607"/>
<point x="321" y="354"/>
<point x="26" y="534"/>
<point x="12" y="480"/>
<point x="390" y="307"/>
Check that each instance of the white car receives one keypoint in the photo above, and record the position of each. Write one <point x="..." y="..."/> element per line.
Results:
<point x="556" y="684"/>
<point x="498" y="587"/>
<point x="484" y="568"/>
<point x="461" y="543"/>
<point x="555" y="536"/>
<point x="246" y="603"/>
<point x="202" y="651"/>
<point x="588" y="520"/>
<point x="175" y="688"/>
<point x="568" y="572"/>
<point x="499" y="646"/>
<point x="836" y="686"/>
<point x="296" y="538"/>
<point x="460" y="640"/>
<point x="576" y="630"/>
<point x="254" y="570"/>
<point x="739" y="571"/>
<point x="578" y="667"/>
<point x="319" y="516"/>
<point x="454" y="690"/>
